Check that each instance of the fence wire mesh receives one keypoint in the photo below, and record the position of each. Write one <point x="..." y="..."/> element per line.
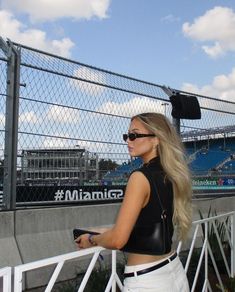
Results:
<point x="72" y="117"/>
<point x="3" y="82"/>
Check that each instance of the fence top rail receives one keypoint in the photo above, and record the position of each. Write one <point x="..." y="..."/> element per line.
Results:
<point x="203" y="96"/>
<point x="87" y="65"/>
<point x="57" y="259"/>
<point x="213" y="218"/>
<point x="161" y="86"/>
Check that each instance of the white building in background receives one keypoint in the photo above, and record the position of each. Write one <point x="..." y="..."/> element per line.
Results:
<point x="70" y="165"/>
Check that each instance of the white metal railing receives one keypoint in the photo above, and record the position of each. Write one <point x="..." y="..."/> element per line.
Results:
<point x="202" y="233"/>
<point x="5" y="274"/>
<point x="208" y="227"/>
<point x="60" y="260"/>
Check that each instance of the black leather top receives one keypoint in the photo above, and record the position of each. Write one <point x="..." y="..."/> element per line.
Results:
<point x="147" y="235"/>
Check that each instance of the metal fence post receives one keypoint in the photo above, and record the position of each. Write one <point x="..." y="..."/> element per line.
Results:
<point x="176" y="123"/>
<point x="11" y="124"/>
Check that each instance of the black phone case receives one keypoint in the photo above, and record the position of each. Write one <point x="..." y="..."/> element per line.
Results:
<point x="77" y="232"/>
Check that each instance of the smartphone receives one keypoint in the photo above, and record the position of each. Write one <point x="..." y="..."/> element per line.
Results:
<point x="77" y="232"/>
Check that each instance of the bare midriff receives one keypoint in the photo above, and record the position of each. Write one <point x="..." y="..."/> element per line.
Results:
<point x="139" y="259"/>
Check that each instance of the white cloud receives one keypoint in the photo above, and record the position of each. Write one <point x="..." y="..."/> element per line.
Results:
<point x="222" y="87"/>
<point x="14" y="30"/>
<point x="63" y="115"/>
<point x="132" y="107"/>
<point x="91" y="75"/>
<point x="216" y="29"/>
<point x="42" y="10"/>
<point x="2" y="120"/>
<point x="28" y="117"/>
<point x="59" y="143"/>
<point x="93" y="146"/>
<point x="170" y="18"/>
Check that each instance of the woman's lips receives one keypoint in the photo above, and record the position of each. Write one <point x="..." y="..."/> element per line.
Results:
<point x="130" y="149"/>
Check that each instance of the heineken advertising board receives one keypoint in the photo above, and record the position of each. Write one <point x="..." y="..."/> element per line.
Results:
<point x="213" y="183"/>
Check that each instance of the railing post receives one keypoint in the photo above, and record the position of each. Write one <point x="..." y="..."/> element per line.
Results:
<point x="18" y="279"/>
<point x="5" y="274"/>
<point x="206" y="255"/>
<point x="114" y="269"/>
<point x="233" y="245"/>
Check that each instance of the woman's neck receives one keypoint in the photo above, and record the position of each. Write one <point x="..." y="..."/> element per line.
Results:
<point x="148" y="159"/>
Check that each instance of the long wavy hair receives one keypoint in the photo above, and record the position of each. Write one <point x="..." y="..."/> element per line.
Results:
<point x="174" y="162"/>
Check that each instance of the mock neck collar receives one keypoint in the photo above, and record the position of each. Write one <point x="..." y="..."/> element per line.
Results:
<point x="154" y="160"/>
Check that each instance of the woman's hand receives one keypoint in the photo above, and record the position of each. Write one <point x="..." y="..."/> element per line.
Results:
<point x="83" y="241"/>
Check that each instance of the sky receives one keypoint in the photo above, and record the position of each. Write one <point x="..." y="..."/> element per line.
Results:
<point x="184" y="44"/>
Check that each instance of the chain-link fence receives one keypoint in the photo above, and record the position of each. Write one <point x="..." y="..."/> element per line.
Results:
<point x="3" y="95"/>
<point x="70" y="121"/>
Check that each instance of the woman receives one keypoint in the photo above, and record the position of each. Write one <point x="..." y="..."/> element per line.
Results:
<point x="158" y="191"/>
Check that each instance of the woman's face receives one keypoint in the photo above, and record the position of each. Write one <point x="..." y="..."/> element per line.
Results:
<point x="144" y="147"/>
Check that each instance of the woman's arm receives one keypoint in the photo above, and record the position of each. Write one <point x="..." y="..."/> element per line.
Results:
<point x="136" y="195"/>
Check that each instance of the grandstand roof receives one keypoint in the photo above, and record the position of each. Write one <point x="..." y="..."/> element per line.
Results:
<point x="208" y="132"/>
<point x="50" y="150"/>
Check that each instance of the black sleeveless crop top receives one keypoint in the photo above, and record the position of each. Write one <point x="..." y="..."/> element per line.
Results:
<point x="145" y="237"/>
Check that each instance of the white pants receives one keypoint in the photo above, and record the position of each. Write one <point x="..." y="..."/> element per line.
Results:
<point x="169" y="278"/>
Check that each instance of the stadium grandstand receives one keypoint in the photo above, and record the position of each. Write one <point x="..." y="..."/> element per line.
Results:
<point x="211" y="152"/>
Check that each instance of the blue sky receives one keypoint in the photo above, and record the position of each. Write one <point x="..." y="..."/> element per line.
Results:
<point x="184" y="44"/>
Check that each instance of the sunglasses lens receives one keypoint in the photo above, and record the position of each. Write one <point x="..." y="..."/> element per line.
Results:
<point x="132" y="136"/>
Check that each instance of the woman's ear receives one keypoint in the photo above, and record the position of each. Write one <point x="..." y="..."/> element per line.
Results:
<point x="156" y="141"/>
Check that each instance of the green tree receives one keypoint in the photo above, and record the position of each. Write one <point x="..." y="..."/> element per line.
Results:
<point x="106" y="165"/>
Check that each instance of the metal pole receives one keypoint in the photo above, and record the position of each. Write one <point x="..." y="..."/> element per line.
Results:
<point x="11" y="124"/>
<point x="165" y="104"/>
<point x="176" y="123"/>
<point x="97" y="166"/>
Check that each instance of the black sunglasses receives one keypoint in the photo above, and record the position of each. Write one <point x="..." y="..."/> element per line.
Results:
<point x="133" y="136"/>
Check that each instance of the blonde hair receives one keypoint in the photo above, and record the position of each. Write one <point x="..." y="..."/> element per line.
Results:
<point x="174" y="162"/>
